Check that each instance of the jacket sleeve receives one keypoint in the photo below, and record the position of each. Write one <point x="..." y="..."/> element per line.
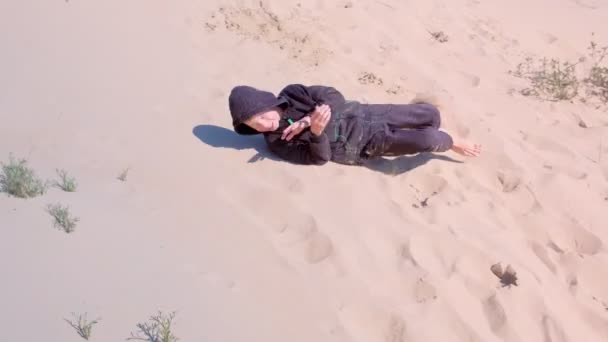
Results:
<point x="316" y="151"/>
<point x="326" y="95"/>
<point x="312" y="96"/>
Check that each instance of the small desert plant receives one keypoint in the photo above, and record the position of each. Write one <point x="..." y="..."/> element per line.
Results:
<point x="597" y="81"/>
<point x="556" y="80"/>
<point x="157" y="329"/>
<point x="439" y="36"/>
<point x="19" y="180"/>
<point x="66" y="182"/>
<point x="123" y="175"/>
<point x="370" y="78"/>
<point x="63" y="219"/>
<point x="552" y="80"/>
<point x="82" y="326"/>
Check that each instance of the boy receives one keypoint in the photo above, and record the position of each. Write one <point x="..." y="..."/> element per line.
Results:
<point x="315" y="124"/>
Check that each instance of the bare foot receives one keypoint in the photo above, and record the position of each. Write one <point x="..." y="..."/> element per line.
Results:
<point x="466" y="149"/>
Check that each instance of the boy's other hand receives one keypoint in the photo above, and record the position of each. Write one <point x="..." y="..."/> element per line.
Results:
<point x="319" y="119"/>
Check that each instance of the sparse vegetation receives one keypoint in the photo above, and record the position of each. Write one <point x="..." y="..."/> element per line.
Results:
<point x="123" y="175"/>
<point x="66" y="182"/>
<point x="552" y="80"/>
<point x="598" y="76"/>
<point x="63" y="219"/>
<point x="82" y="325"/>
<point x="557" y="80"/>
<point x="18" y="180"/>
<point x="157" y="329"/>
<point x="439" y="36"/>
<point x="394" y="89"/>
<point x="370" y="78"/>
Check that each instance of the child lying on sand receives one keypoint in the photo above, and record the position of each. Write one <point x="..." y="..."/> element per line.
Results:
<point x="315" y="124"/>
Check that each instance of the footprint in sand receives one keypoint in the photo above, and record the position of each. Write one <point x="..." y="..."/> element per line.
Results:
<point x="388" y="48"/>
<point x="406" y="254"/>
<point x="525" y="202"/>
<point x="547" y="145"/>
<point x="549" y="38"/>
<point x="301" y="235"/>
<point x="473" y="80"/>
<point x="495" y="313"/>
<point x="426" y="252"/>
<point x="289" y="182"/>
<point x="396" y="331"/>
<point x="300" y="227"/>
<point x="509" y="180"/>
<point x="597" y="321"/>
<point x="554" y="247"/>
<point x="552" y="331"/>
<point x="296" y="234"/>
<point x="489" y="33"/>
<point x="541" y="253"/>
<point x="572" y="282"/>
<point x="260" y="23"/>
<point x="498" y="320"/>
<point x="568" y="236"/>
<point x="427" y="186"/>
<point x="589" y="4"/>
<point x="371" y="322"/>
<point x="319" y="248"/>
<point x="585" y="242"/>
<point x="571" y="236"/>
<point x="424" y="291"/>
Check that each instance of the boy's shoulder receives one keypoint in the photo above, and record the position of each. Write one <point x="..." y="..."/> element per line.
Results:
<point x="308" y="89"/>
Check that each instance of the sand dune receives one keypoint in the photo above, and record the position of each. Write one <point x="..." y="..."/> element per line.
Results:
<point x="245" y="247"/>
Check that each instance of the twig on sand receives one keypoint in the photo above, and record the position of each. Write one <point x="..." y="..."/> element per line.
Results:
<point x="385" y="4"/>
<point x="123" y="175"/>
<point x="422" y="203"/>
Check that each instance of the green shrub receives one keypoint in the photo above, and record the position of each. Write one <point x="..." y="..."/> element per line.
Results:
<point x="63" y="219"/>
<point x="83" y="327"/>
<point x="66" y="182"/>
<point x="557" y="80"/>
<point x="597" y="81"/>
<point x="157" y="329"/>
<point x="18" y="180"/>
<point x="552" y="80"/>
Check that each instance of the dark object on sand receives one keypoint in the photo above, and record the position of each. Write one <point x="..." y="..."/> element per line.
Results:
<point x="507" y="277"/>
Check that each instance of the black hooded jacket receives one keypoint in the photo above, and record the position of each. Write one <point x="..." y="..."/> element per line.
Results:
<point x="351" y="136"/>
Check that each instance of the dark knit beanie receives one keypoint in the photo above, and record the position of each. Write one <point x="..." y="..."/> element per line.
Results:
<point x="245" y="102"/>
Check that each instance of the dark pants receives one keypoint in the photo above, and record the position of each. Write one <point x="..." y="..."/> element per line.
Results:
<point x="411" y="128"/>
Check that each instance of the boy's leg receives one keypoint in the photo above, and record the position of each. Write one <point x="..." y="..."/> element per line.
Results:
<point x="412" y="115"/>
<point x="411" y="141"/>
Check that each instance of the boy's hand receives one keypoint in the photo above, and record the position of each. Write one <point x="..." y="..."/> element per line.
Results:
<point x="296" y="128"/>
<point x="319" y="119"/>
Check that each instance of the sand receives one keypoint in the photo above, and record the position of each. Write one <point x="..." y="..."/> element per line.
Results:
<point x="245" y="247"/>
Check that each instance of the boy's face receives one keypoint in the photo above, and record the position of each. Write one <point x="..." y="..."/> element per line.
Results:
<point x="267" y="121"/>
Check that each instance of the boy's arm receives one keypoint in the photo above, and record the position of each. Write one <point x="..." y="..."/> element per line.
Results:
<point x="316" y="151"/>
<point x="326" y="95"/>
<point x="313" y="95"/>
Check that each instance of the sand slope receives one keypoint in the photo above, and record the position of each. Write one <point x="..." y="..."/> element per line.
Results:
<point x="248" y="248"/>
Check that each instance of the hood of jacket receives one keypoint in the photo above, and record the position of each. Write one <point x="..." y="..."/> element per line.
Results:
<point x="246" y="101"/>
